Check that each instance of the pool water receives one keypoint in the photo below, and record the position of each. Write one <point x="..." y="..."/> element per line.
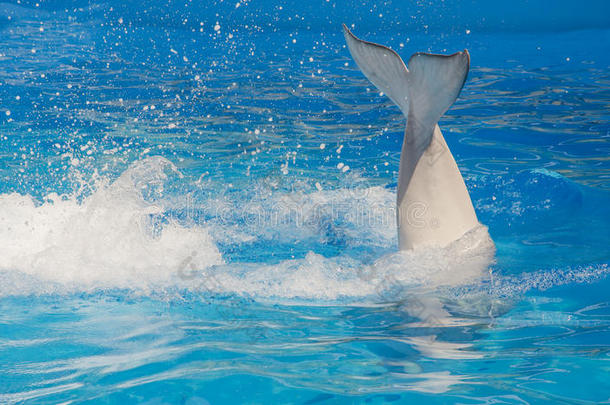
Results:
<point x="197" y="206"/>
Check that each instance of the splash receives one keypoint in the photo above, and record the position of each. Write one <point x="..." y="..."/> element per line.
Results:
<point x="109" y="240"/>
<point x="121" y="237"/>
<point x="320" y="278"/>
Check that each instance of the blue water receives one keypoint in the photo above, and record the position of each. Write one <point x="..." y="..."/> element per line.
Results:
<point x="196" y="206"/>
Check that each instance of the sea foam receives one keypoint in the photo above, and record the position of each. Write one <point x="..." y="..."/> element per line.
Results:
<point x="107" y="240"/>
<point x="121" y="238"/>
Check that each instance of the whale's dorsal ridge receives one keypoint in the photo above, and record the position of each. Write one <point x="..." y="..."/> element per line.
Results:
<point x="424" y="91"/>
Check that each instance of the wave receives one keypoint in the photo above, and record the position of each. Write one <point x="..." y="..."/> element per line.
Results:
<point x="107" y="240"/>
<point x="123" y="237"/>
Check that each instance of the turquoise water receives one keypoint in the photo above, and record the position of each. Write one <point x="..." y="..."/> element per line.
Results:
<point x="197" y="206"/>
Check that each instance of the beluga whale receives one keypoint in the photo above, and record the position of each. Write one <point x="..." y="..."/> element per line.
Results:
<point x="433" y="204"/>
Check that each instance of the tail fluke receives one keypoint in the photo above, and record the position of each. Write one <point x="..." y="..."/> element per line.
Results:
<point x="424" y="91"/>
<point x="429" y="179"/>
<point x="382" y="66"/>
<point x="435" y="81"/>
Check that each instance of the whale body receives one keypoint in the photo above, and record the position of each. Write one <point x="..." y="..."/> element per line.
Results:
<point x="433" y="204"/>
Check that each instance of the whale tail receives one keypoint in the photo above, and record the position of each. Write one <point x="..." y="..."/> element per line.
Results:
<point x="424" y="92"/>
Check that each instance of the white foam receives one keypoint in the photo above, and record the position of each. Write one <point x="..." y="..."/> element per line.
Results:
<point x="316" y="277"/>
<point x="105" y="241"/>
<point x="111" y="240"/>
<point x="510" y="286"/>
